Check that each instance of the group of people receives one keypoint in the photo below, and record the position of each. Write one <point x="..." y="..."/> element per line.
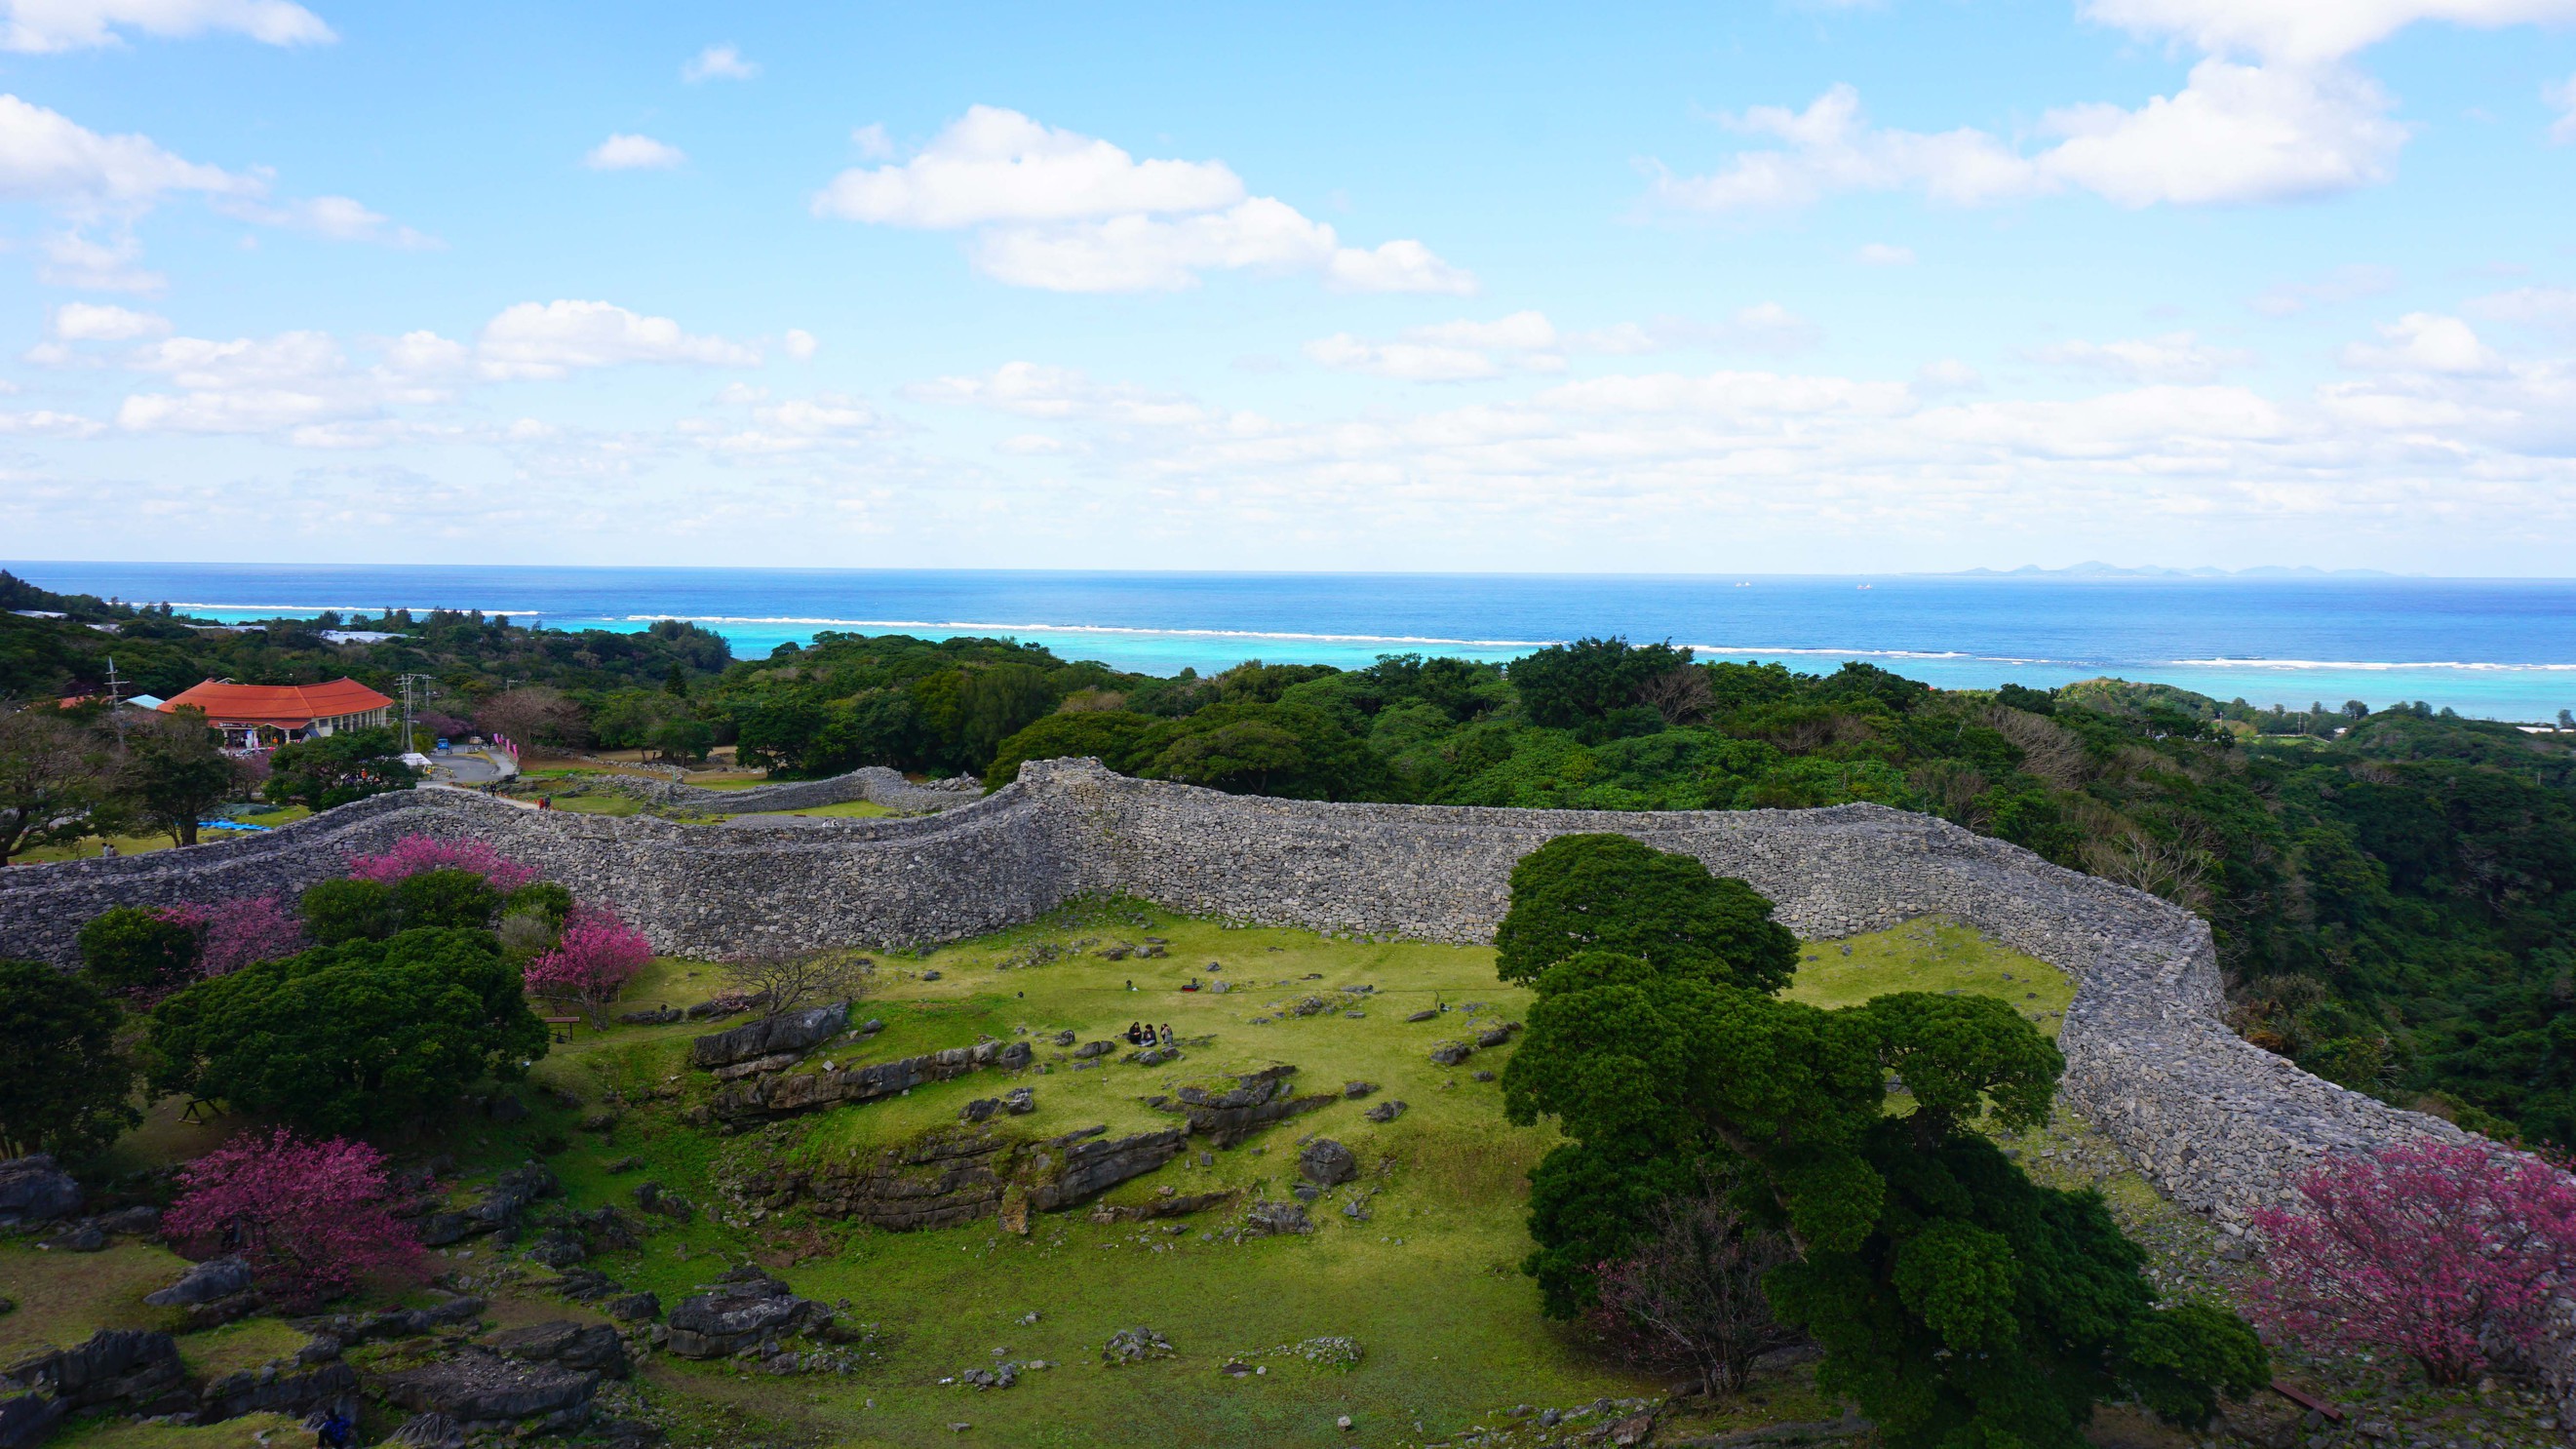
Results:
<point x="1139" y="1034"/>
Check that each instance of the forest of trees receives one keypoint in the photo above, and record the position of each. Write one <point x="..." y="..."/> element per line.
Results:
<point x="2393" y="891"/>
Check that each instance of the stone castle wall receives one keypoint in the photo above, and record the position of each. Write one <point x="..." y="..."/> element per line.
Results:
<point x="2215" y="1122"/>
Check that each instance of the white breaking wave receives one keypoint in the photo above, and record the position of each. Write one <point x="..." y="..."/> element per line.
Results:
<point x="2370" y="665"/>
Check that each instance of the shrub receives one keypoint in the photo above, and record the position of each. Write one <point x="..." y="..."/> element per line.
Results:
<point x="139" y="949"/>
<point x="1610" y="893"/>
<point x="414" y="854"/>
<point x="591" y="963"/>
<point x="340" y="911"/>
<point x="1691" y="1295"/>
<point x="337" y="769"/>
<point x="2433" y="1250"/>
<point x="351" y="1037"/>
<point x="542" y="898"/>
<point x="65" y="1087"/>
<point x="309" y="1216"/>
<point x="445" y="900"/>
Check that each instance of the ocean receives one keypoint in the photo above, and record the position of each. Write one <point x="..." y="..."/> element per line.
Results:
<point x="2492" y="648"/>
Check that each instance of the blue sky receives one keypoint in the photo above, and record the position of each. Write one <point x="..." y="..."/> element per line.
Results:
<point x="1922" y="284"/>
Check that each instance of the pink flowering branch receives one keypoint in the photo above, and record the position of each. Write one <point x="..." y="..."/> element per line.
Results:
<point x="310" y="1217"/>
<point x="416" y="853"/>
<point x="2439" y="1252"/>
<point x="592" y="961"/>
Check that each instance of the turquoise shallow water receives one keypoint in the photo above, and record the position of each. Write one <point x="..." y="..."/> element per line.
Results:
<point x="2495" y="648"/>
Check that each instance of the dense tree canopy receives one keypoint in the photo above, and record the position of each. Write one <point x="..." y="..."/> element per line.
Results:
<point x="337" y="769"/>
<point x="352" y="1037"/>
<point x="65" y="1085"/>
<point x="1958" y="1302"/>
<point x="1581" y="893"/>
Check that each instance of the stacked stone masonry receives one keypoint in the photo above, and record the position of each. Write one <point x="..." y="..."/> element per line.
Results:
<point x="2213" y="1121"/>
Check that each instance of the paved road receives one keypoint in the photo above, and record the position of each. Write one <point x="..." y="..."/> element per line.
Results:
<point x="458" y="767"/>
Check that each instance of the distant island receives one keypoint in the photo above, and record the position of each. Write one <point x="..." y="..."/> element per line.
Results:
<point x="2100" y="570"/>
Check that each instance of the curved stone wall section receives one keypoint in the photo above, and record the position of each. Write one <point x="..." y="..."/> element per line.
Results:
<point x="2213" y="1121"/>
<point x="874" y="783"/>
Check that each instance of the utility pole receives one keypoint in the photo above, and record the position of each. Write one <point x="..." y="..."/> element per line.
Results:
<point x="115" y="700"/>
<point x="409" y="682"/>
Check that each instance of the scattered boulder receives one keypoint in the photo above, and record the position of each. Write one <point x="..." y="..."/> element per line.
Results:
<point x="1135" y="1345"/>
<point x="658" y="1016"/>
<point x="752" y="1312"/>
<point x="129" y="1221"/>
<point x="29" y="1419"/>
<point x="265" y="1390"/>
<point x="1091" y="1049"/>
<point x="574" y="1345"/>
<point x="34" y="1190"/>
<point x="479" y="1391"/>
<point x="793" y="1031"/>
<point x="1230" y="1114"/>
<point x="558" y="1247"/>
<point x="500" y="1206"/>
<point x="635" y="1308"/>
<point x="979" y="1109"/>
<point x="1327" y="1163"/>
<point x="207" y="1281"/>
<point x="348" y="1330"/>
<point x="133" y="1367"/>
<point x="1267" y="1219"/>
<point x="1430" y="1014"/>
<point x="1155" y="1056"/>
<point x="1386" y="1111"/>
<point x="1356" y="1090"/>
<point x="1177" y="1205"/>
<point x="1020" y="1101"/>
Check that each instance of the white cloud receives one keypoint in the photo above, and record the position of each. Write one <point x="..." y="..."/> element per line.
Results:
<point x="1039" y="390"/>
<point x="623" y="152"/>
<point x="47" y="157"/>
<point x="872" y="142"/>
<point x="2562" y="132"/>
<point x="41" y="26"/>
<point x="2234" y="133"/>
<point x="73" y="260"/>
<point x="88" y="322"/>
<point x="799" y="425"/>
<point x="2310" y="32"/>
<point x="800" y="344"/>
<point x="1527" y="341"/>
<point x="1948" y="374"/>
<point x="995" y="165"/>
<point x="549" y="339"/>
<point x="336" y="217"/>
<point x="262" y="385"/>
<point x="1880" y="254"/>
<point x="718" y="62"/>
<point x="2425" y="342"/>
<point x="2174" y="357"/>
<point x="2344" y="284"/>
<point x="1408" y="361"/>
<point x="1067" y="212"/>
<point x="2547" y="306"/>
<point x="1031" y="445"/>
<point x="46" y="423"/>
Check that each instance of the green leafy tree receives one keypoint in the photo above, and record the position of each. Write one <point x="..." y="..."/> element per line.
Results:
<point x="1611" y="893"/>
<point x="337" y="912"/>
<point x="337" y="769"/>
<point x="997" y="703"/>
<point x="681" y="737"/>
<point x="175" y="770"/>
<point x="65" y="1085"/>
<point x="1108" y="735"/>
<point x="53" y="776"/>
<point x="444" y="900"/>
<point x="353" y="1037"/>
<point x="1957" y="1302"/>
<point x="136" y="948"/>
<point x="1593" y="686"/>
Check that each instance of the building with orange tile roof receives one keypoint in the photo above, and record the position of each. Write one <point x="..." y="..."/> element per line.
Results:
<point x="253" y="715"/>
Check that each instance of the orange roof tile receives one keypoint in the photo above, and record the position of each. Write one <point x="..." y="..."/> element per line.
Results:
<point x="276" y="704"/>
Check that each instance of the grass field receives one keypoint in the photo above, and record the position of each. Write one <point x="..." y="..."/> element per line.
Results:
<point x="1427" y="1283"/>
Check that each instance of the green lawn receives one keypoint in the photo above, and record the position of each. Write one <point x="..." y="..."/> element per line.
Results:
<point x="1428" y="1284"/>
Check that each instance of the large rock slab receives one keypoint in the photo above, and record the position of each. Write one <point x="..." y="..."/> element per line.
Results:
<point x="207" y="1281"/>
<point x="499" y="1207"/>
<point x="265" y="1390"/>
<point x="479" y="1389"/>
<point x="34" y="1190"/>
<point x="574" y="1345"/>
<point x="756" y="1312"/>
<point x="132" y="1366"/>
<point x="786" y="1095"/>
<point x="792" y="1031"/>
